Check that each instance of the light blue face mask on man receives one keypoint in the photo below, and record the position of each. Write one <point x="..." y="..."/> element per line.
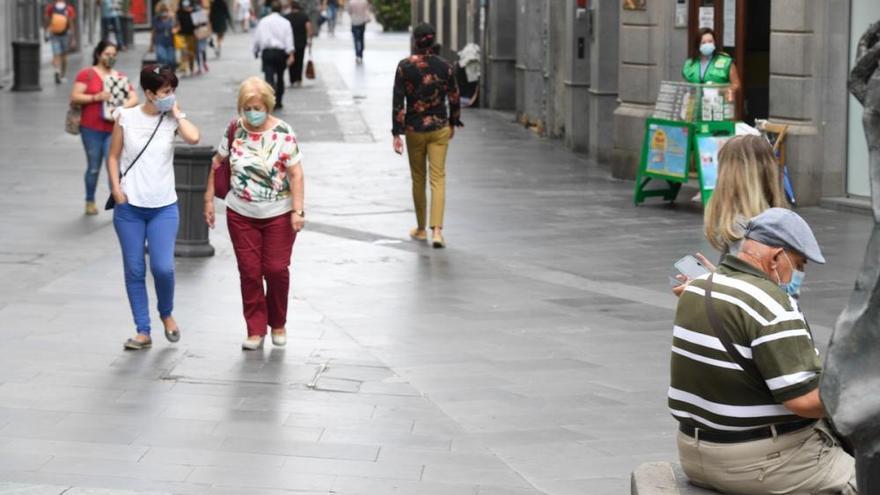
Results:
<point x="793" y="287"/>
<point x="255" y="117"/>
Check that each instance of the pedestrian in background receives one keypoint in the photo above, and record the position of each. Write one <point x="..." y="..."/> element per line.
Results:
<point x="359" y="12"/>
<point x="245" y="14"/>
<point x="331" y="10"/>
<point x="142" y="179"/>
<point x="273" y="41"/>
<point x="264" y="208"/>
<point x="423" y="85"/>
<point x="748" y="183"/>
<point x="302" y="39"/>
<point x="60" y="25"/>
<point x="162" y="36"/>
<point x="221" y="19"/>
<point x="312" y="8"/>
<point x="110" y="20"/>
<point x="88" y="92"/>
<point x="202" y="35"/>
<point x="187" y="29"/>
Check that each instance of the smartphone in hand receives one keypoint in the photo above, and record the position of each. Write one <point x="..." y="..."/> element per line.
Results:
<point x="690" y="267"/>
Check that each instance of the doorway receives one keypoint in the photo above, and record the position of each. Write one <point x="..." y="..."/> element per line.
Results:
<point x="743" y="30"/>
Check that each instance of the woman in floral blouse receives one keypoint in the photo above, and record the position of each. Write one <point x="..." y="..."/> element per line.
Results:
<point x="425" y="83"/>
<point x="264" y="208"/>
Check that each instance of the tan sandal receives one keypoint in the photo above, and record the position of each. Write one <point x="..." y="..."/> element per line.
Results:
<point x="416" y="236"/>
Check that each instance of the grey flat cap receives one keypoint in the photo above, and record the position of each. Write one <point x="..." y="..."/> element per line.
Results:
<point x="780" y="227"/>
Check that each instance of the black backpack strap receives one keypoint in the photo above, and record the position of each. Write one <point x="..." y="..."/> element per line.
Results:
<point x="721" y="333"/>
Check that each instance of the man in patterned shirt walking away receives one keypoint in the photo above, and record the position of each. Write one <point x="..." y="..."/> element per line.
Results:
<point x="745" y="372"/>
<point x="425" y="82"/>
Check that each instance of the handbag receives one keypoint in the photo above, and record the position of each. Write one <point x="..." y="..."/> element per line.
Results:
<point x="202" y="32"/>
<point x="310" y="69"/>
<point x="223" y="173"/>
<point x="73" y="119"/>
<point x="111" y="201"/>
<point x="74" y="113"/>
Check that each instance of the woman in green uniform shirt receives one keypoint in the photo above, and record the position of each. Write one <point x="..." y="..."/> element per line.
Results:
<point x="712" y="66"/>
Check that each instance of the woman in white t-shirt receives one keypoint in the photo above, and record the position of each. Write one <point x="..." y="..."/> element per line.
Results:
<point x="142" y="183"/>
<point x="264" y="208"/>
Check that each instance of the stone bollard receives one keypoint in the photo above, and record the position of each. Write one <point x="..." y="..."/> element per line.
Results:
<point x="26" y="66"/>
<point x="191" y="167"/>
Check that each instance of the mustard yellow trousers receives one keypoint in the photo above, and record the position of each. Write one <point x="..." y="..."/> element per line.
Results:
<point x="422" y="148"/>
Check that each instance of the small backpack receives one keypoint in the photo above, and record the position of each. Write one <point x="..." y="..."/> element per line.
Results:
<point x="59" y="20"/>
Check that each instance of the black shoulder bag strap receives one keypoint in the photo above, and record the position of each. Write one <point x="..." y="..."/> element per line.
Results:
<point x="721" y="332"/>
<point x="111" y="202"/>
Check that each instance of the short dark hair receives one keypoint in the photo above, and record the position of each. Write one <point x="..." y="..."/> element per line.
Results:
<point x="423" y="36"/>
<point x="275" y="5"/>
<point x="155" y="77"/>
<point x="99" y="49"/>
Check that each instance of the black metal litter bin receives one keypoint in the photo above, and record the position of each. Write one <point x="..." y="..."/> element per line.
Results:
<point x="191" y="167"/>
<point x="26" y="66"/>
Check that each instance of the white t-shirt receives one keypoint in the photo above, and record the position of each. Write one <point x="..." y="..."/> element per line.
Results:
<point x="150" y="184"/>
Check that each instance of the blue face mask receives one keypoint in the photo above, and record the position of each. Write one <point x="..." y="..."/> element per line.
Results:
<point x="707" y="49"/>
<point x="793" y="287"/>
<point x="165" y="104"/>
<point x="255" y="117"/>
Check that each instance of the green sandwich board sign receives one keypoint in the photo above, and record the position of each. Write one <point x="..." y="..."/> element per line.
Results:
<point x="677" y="141"/>
<point x="669" y="149"/>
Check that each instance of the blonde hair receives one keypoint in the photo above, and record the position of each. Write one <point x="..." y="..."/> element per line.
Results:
<point x="161" y="7"/>
<point x="255" y="87"/>
<point x="749" y="182"/>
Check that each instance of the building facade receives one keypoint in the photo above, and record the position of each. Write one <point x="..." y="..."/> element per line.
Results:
<point x="588" y="72"/>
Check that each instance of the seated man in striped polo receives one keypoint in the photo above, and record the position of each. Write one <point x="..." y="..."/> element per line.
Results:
<point x="745" y="372"/>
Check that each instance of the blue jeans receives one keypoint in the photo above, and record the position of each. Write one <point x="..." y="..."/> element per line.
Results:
<point x="60" y="44"/>
<point x="97" y="145"/>
<point x="158" y="227"/>
<point x="331" y="17"/>
<point x="114" y="23"/>
<point x="165" y="55"/>
<point x="358" y="33"/>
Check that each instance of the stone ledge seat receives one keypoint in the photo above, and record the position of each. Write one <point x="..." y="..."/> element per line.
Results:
<point x="663" y="478"/>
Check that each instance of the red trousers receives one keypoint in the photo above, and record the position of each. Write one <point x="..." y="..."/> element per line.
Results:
<point x="263" y="247"/>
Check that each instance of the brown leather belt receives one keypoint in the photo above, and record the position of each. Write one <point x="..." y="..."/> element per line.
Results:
<point x="761" y="433"/>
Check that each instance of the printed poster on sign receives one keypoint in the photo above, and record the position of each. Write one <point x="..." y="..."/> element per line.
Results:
<point x="708" y="147"/>
<point x="667" y="150"/>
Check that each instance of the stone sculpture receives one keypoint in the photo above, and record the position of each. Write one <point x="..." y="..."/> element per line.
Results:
<point x="851" y="383"/>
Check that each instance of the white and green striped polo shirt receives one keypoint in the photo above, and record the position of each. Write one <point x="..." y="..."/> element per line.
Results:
<point x="708" y="389"/>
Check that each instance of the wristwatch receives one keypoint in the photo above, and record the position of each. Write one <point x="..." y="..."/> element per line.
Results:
<point x="181" y="116"/>
<point x="300" y="213"/>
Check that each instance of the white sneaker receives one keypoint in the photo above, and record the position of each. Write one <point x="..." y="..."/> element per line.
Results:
<point x="279" y="339"/>
<point x="252" y="344"/>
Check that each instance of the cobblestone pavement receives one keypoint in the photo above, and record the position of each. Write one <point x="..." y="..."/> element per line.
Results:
<point x="529" y="357"/>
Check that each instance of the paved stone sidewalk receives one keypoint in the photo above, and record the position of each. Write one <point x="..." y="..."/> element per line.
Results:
<point x="529" y="357"/>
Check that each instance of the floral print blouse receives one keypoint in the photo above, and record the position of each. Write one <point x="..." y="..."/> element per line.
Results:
<point x="259" y="186"/>
<point x="426" y="82"/>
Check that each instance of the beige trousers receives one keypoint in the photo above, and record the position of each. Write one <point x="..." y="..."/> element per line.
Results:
<point x="807" y="461"/>
<point x="430" y="147"/>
